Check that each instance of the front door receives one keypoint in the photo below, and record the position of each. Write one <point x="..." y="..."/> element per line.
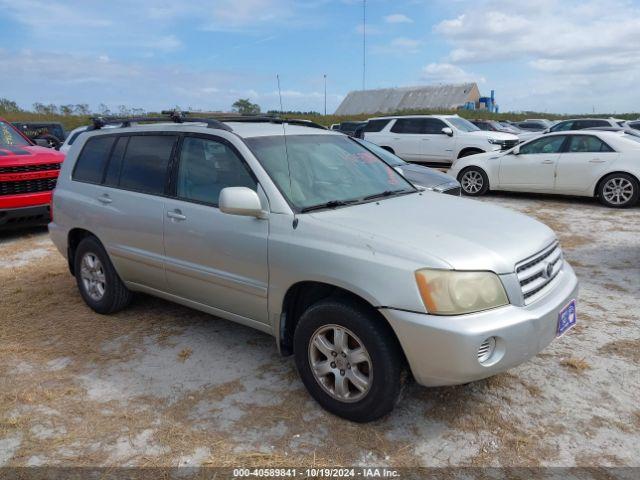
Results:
<point x="212" y="258"/>
<point x="533" y="169"/>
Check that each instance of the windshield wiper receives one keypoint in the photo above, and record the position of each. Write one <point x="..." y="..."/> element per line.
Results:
<point x="329" y="204"/>
<point x="386" y="193"/>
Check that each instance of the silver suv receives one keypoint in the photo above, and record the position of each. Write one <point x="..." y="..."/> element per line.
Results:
<point x="312" y="238"/>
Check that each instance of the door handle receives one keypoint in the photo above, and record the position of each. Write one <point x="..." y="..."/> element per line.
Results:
<point x="397" y="138"/>
<point x="425" y="139"/>
<point x="596" y="160"/>
<point x="547" y="162"/>
<point x="105" y="199"/>
<point x="176" y="215"/>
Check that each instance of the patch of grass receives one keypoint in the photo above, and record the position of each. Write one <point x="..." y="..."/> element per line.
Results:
<point x="184" y="354"/>
<point x="577" y="365"/>
<point x="627" y="349"/>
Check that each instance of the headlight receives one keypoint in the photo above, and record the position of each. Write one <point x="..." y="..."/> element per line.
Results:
<point x="449" y="292"/>
<point x="496" y="142"/>
<point x="445" y="186"/>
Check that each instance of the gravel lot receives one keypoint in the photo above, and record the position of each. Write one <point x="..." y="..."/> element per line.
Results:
<point x="162" y="385"/>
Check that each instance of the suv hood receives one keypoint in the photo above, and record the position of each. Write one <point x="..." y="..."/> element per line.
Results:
<point x="444" y="230"/>
<point x="493" y="135"/>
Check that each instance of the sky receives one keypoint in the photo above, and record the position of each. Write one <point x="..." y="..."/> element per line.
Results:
<point x="570" y="56"/>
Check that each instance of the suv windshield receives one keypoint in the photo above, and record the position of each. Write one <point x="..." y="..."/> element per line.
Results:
<point x="316" y="171"/>
<point x="10" y="138"/>
<point x="462" y="124"/>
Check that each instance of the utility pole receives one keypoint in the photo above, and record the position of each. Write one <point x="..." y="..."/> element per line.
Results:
<point x="325" y="94"/>
<point x="364" y="41"/>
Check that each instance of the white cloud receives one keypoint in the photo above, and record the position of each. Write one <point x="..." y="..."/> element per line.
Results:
<point x="397" y="18"/>
<point x="568" y="51"/>
<point x="448" y="73"/>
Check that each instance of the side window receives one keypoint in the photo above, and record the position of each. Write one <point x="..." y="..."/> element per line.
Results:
<point x="433" y="126"/>
<point x="592" y="123"/>
<point x="206" y="167"/>
<point x="92" y="160"/>
<point x="407" y="125"/>
<point x="482" y="126"/>
<point x="543" y="145"/>
<point x="376" y="125"/>
<point x="144" y="166"/>
<point x="563" y="126"/>
<point x="587" y="144"/>
<point x="112" y="176"/>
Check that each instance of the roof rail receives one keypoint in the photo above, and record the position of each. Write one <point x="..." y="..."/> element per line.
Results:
<point x="175" y="116"/>
<point x="268" y="119"/>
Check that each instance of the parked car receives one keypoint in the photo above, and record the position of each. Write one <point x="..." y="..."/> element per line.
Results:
<point x="493" y="126"/>
<point x="635" y="124"/>
<point x="349" y="128"/>
<point x="417" y="174"/>
<point x="575" y="124"/>
<point x="315" y="241"/>
<point x="52" y="133"/>
<point x="534" y="124"/>
<point x="27" y="176"/>
<point x="434" y="139"/>
<point x="588" y="163"/>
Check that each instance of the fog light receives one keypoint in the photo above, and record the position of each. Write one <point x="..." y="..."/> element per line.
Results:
<point x="486" y="350"/>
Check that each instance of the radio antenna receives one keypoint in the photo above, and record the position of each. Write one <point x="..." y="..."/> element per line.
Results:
<point x="284" y="133"/>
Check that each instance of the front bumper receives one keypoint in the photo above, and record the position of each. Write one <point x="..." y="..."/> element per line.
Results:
<point x="24" y="217"/>
<point x="443" y="350"/>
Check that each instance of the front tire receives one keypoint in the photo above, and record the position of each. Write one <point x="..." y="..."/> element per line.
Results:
<point x="618" y="190"/>
<point x="349" y="361"/>
<point x="474" y="181"/>
<point x="99" y="284"/>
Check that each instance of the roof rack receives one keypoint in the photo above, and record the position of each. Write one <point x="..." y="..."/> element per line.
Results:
<point x="175" y="116"/>
<point x="212" y="121"/>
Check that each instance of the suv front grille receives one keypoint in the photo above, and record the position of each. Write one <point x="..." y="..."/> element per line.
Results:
<point x="537" y="272"/>
<point x="27" y="186"/>
<point x="31" y="168"/>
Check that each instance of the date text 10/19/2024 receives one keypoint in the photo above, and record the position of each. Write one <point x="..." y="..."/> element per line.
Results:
<point x="316" y="472"/>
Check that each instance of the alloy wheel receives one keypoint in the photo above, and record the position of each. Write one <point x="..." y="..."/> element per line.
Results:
<point x="93" y="276"/>
<point x="618" y="191"/>
<point x="340" y="363"/>
<point x="472" y="181"/>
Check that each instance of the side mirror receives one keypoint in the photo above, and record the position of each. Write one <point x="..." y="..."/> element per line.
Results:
<point x="240" y="201"/>
<point x="516" y="150"/>
<point x="42" y="142"/>
<point x="448" y="131"/>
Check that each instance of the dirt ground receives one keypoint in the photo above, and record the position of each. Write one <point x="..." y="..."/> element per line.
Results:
<point x="162" y="385"/>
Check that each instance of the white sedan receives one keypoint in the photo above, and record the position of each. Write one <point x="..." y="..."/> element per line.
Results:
<point x="583" y="162"/>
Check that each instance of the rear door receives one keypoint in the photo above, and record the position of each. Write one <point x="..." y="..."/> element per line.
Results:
<point x="533" y="169"/>
<point x="581" y="163"/>
<point x="212" y="258"/>
<point x="127" y="202"/>
<point x="407" y="136"/>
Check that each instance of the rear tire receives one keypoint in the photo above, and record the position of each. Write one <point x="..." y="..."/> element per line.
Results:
<point x="474" y="181"/>
<point x="618" y="190"/>
<point x="348" y="360"/>
<point x="99" y="284"/>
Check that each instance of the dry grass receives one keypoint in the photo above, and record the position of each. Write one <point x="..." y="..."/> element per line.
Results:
<point x="577" y="365"/>
<point x="625" y="349"/>
<point x="184" y="354"/>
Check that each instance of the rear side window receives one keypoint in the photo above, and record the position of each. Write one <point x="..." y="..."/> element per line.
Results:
<point x="376" y="125"/>
<point x="92" y="160"/>
<point x="564" y="126"/>
<point x="635" y="125"/>
<point x="112" y="176"/>
<point x="544" y="145"/>
<point x="587" y="144"/>
<point x="144" y="166"/>
<point x="580" y="124"/>
<point x="408" y="125"/>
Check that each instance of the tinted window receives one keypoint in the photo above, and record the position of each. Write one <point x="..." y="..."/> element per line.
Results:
<point x="462" y="124"/>
<point x="580" y="124"/>
<point x="92" y="160"/>
<point x="635" y="125"/>
<point x="433" y="126"/>
<point x="408" y="125"/>
<point x="543" y="145"/>
<point x="144" y="167"/>
<point x="112" y="176"/>
<point x="587" y="144"/>
<point x="482" y="125"/>
<point x="563" y="126"/>
<point x="376" y="125"/>
<point x="208" y="166"/>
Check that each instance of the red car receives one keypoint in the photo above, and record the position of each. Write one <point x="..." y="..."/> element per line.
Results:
<point x="28" y="175"/>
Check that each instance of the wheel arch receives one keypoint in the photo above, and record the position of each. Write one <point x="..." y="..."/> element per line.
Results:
<point x="302" y="295"/>
<point x="598" y="182"/>
<point x="74" y="237"/>
<point x="469" y="151"/>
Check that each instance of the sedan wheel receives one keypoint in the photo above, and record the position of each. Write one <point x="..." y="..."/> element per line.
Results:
<point x="340" y="363"/>
<point x="474" y="181"/>
<point x="619" y="190"/>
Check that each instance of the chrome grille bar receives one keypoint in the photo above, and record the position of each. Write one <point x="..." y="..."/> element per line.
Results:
<point x="537" y="272"/>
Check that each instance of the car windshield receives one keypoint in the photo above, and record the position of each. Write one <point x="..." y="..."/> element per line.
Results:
<point x="10" y="138"/>
<point x="462" y="124"/>
<point x="385" y="155"/>
<point x="318" y="171"/>
<point x="630" y="136"/>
